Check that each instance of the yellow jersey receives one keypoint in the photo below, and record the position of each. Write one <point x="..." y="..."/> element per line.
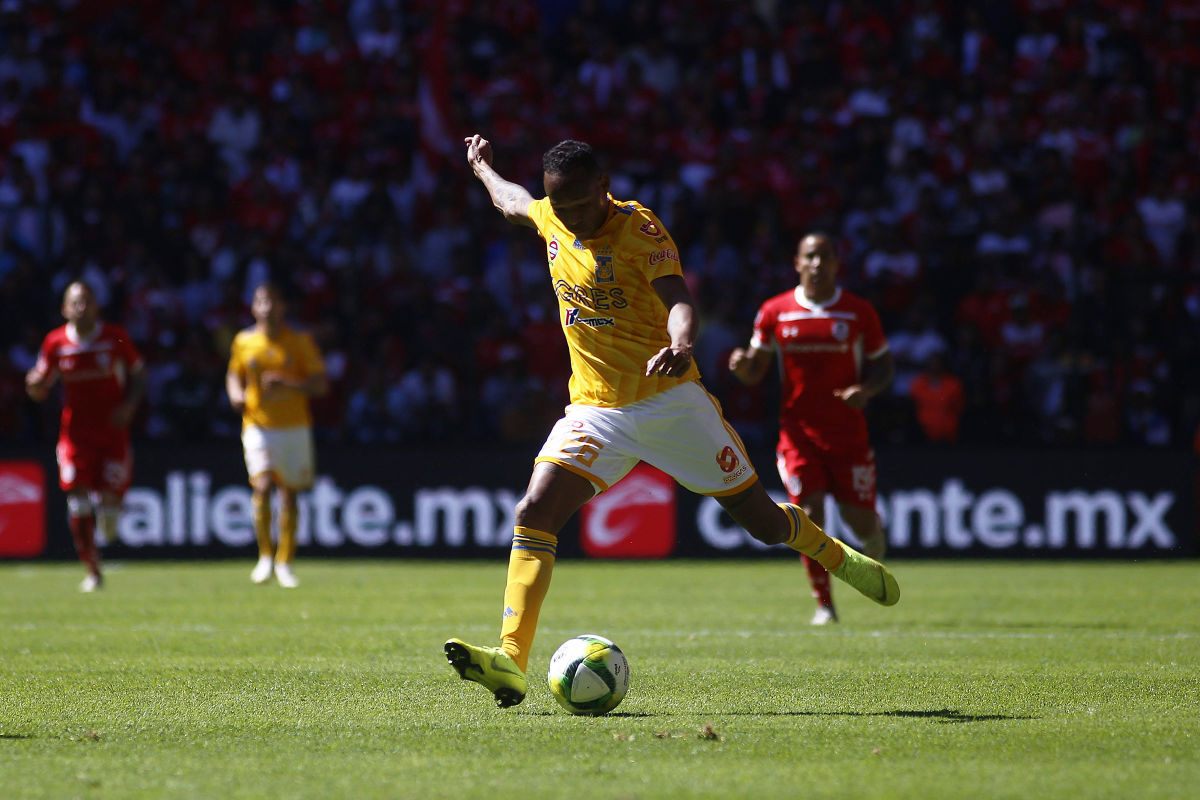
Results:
<point x="613" y="319"/>
<point x="291" y="352"/>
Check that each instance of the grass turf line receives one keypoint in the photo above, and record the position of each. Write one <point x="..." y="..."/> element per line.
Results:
<point x="993" y="679"/>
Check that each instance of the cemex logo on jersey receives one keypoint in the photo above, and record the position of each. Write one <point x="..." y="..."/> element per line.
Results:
<point x="592" y="322"/>
<point x="22" y="509"/>
<point x="633" y="519"/>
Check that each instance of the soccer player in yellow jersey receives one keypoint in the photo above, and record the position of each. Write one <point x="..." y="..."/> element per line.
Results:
<point x="273" y="371"/>
<point x="636" y="395"/>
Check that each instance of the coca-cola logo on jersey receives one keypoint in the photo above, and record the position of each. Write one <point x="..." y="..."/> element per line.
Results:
<point x="633" y="519"/>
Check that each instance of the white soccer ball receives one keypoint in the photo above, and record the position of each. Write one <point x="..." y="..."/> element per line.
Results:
<point x="588" y="675"/>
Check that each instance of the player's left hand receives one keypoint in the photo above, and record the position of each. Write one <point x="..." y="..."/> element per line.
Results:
<point x="122" y="415"/>
<point x="671" y="361"/>
<point x="853" y="396"/>
<point x="274" y="381"/>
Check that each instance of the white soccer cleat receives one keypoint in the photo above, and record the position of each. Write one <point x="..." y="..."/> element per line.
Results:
<point x="262" y="570"/>
<point x="91" y="583"/>
<point x="824" y="616"/>
<point x="287" y="579"/>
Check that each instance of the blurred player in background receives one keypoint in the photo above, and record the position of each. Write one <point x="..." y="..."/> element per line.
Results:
<point x="834" y="358"/>
<point x="273" y="371"/>
<point x="630" y="326"/>
<point x="103" y="382"/>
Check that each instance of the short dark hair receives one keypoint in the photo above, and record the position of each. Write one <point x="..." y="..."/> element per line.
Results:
<point x="569" y="156"/>
<point x="817" y="234"/>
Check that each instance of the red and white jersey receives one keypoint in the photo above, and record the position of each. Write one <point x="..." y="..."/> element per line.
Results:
<point x="821" y="349"/>
<point x="94" y="372"/>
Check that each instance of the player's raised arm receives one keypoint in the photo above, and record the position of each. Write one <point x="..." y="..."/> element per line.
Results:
<point x="512" y="200"/>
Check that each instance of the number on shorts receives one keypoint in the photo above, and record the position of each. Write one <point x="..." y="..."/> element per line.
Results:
<point x="584" y="448"/>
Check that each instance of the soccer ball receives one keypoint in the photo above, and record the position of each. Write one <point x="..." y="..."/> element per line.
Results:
<point x="588" y="675"/>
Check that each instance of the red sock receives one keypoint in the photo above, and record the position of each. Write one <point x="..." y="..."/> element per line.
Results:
<point x="83" y="531"/>
<point x="818" y="579"/>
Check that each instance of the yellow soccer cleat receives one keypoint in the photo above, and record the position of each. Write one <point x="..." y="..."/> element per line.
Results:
<point x="491" y="667"/>
<point x="868" y="576"/>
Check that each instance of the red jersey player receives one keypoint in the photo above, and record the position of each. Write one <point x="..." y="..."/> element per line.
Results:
<point x="834" y="358"/>
<point x="103" y="381"/>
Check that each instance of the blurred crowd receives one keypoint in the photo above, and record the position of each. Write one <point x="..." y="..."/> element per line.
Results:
<point x="1013" y="183"/>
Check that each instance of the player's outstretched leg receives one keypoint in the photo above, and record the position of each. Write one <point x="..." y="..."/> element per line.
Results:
<point x="865" y="574"/>
<point x="490" y="667"/>
<point x="868" y="576"/>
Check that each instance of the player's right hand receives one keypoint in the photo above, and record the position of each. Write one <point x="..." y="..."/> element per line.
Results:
<point x="737" y="358"/>
<point x="479" y="150"/>
<point x="37" y="389"/>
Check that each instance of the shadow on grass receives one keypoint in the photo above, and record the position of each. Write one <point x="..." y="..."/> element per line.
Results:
<point x="14" y="736"/>
<point x="945" y="716"/>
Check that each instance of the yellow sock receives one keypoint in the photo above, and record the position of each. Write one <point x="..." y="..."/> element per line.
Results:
<point x="810" y="540"/>
<point x="260" y="505"/>
<point x="530" y="564"/>
<point x="287" y="533"/>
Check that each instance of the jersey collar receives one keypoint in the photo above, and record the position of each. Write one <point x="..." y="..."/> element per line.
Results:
<point x="606" y="228"/>
<point x="804" y="302"/>
<point x="73" y="334"/>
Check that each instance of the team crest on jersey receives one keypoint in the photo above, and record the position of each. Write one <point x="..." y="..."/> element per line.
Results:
<point x="604" y="267"/>
<point x="840" y="330"/>
<point x="727" y="460"/>
<point x="649" y="228"/>
<point x="552" y="249"/>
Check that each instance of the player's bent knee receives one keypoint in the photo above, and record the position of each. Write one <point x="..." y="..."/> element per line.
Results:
<point x="79" y="505"/>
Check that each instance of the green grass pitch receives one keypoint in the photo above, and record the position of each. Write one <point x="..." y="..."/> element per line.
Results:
<point x="1007" y="680"/>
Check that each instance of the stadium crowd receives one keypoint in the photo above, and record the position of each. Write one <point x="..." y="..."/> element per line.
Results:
<point x="1013" y="184"/>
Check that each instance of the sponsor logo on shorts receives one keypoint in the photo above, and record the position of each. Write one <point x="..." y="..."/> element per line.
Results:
<point x="573" y="318"/>
<point x="728" y="460"/>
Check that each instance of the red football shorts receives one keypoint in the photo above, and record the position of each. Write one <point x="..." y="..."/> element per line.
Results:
<point x="847" y="473"/>
<point x="106" y="467"/>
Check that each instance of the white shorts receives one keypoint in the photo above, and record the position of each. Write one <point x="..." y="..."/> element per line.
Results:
<point x="285" y="452"/>
<point x="680" y="431"/>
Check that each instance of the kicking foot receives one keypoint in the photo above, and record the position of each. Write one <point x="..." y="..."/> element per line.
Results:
<point x="262" y="570"/>
<point x="868" y="576"/>
<point x="825" y="615"/>
<point x="490" y="667"/>
<point x="93" y="582"/>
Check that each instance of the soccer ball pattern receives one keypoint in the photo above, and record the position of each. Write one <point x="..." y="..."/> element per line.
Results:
<point x="588" y="675"/>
